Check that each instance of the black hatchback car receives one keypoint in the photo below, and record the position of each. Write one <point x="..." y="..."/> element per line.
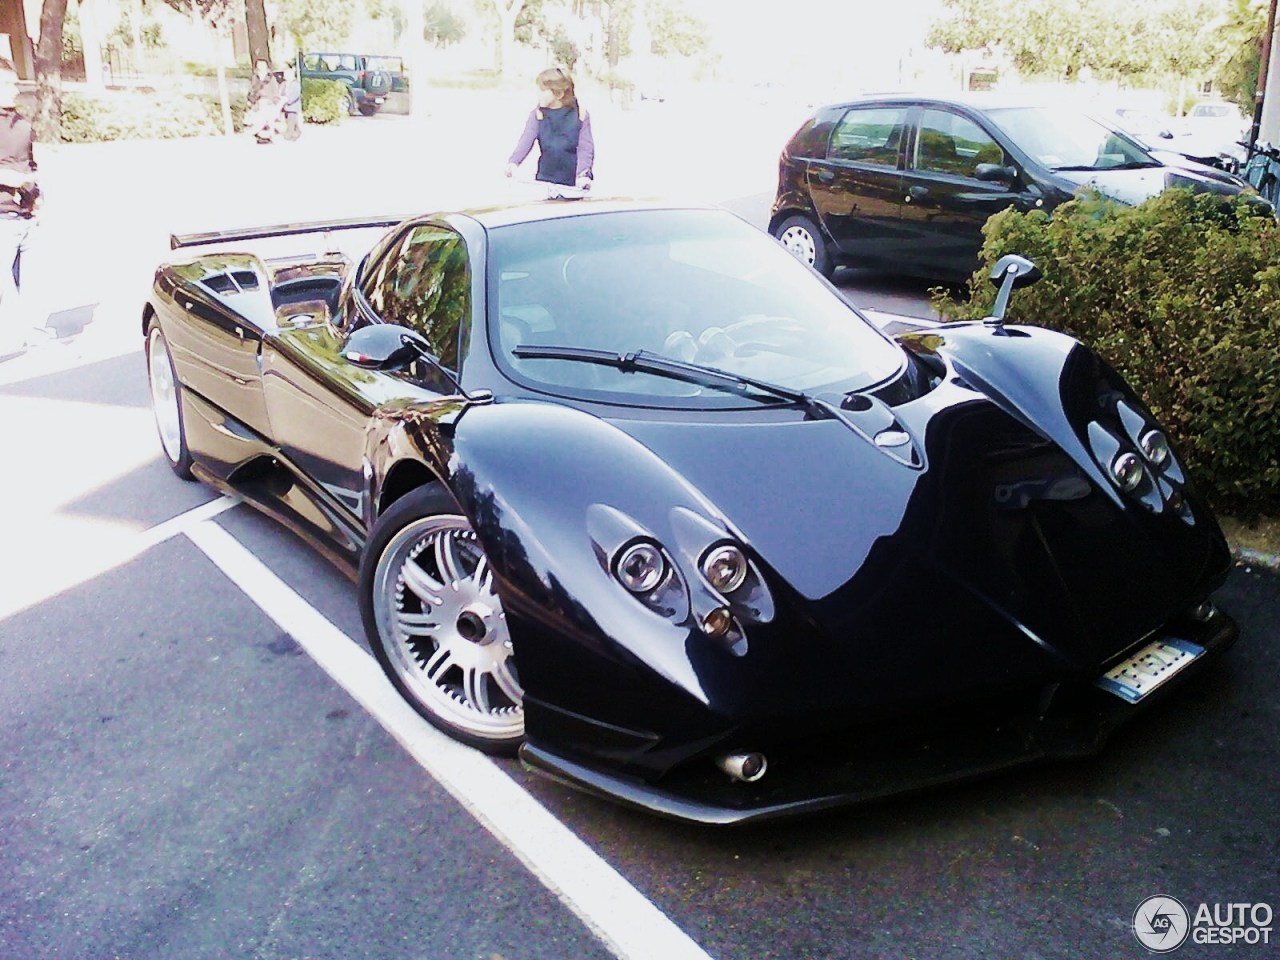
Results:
<point x="905" y="182"/>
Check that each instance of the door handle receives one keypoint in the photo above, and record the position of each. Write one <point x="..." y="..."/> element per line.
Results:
<point x="917" y="193"/>
<point x="826" y="176"/>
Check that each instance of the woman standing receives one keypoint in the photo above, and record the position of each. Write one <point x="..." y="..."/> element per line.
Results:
<point x="562" y="130"/>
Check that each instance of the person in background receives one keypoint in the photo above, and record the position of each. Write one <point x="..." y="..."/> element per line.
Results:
<point x="559" y="125"/>
<point x="292" y="102"/>
<point x="264" y="100"/>
<point x="259" y="83"/>
<point x="19" y="198"/>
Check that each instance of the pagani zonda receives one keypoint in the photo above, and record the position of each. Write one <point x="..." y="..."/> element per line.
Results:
<point x="630" y="489"/>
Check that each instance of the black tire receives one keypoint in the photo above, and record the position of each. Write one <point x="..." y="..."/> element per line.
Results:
<point x="436" y="625"/>
<point x="802" y="238"/>
<point x="350" y="103"/>
<point x="166" y="402"/>
<point x="368" y="109"/>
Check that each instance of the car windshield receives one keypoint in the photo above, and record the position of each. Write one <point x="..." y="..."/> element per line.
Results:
<point x="696" y="286"/>
<point x="1068" y="140"/>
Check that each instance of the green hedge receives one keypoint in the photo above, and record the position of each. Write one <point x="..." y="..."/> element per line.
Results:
<point x="1182" y="295"/>
<point x="323" y="101"/>
<point x="139" y="116"/>
<point x="156" y="116"/>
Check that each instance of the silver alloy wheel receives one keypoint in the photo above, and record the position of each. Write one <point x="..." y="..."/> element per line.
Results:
<point x="164" y="395"/>
<point x="443" y="629"/>
<point x="799" y="243"/>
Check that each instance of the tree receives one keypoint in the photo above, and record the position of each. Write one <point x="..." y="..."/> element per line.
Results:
<point x="508" y="11"/>
<point x="216" y="16"/>
<point x="1240" y="34"/>
<point x="441" y="26"/>
<point x="255" y="25"/>
<point x="48" y="117"/>
<point x="675" y="31"/>
<point x="1048" y="38"/>
<point x="316" y="23"/>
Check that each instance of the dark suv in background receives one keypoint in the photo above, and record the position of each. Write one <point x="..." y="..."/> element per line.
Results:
<point x="905" y="183"/>
<point x="368" y="82"/>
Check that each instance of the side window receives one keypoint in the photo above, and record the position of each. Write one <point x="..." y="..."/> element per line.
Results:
<point x="424" y="283"/>
<point x="347" y="62"/>
<point x="950" y="143"/>
<point x="869" y="135"/>
<point x="312" y="62"/>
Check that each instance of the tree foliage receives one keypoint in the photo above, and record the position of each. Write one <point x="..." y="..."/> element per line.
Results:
<point x="1240" y="34"/>
<point x="441" y="26"/>
<point x="316" y="23"/>
<point x="676" y="31"/>
<point x="1050" y="38"/>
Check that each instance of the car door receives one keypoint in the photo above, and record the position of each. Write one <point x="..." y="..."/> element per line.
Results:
<point x="857" y="187"/>
<point x="216" y="348"/>
<point x="945" y="201"/>
<point x="320" y="404"/>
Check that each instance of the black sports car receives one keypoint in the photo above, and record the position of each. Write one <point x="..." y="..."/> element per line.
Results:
<point x="630" y="489"/>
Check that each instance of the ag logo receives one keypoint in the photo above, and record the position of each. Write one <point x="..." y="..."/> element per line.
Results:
<point x="1161" y="924"/>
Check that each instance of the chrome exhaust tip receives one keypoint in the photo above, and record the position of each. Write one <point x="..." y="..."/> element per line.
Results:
<point x="743" y="767"/>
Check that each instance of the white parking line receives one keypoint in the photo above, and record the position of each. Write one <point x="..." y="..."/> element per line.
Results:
<point x="74" y="568"/>
<point x="628" y="924"/>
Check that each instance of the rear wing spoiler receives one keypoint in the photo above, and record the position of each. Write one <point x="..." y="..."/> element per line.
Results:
<point x="179" y="240"/>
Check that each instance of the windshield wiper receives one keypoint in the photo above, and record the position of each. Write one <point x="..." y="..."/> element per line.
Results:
<point x="1131" y="165"/>
<point x="642" y="361"/>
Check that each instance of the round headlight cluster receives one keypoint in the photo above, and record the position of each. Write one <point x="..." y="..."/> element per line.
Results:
<point x="1155" y="447"/>
<point x="725" y="568"/>
<point x="641" y="567"/>
<point x="1128" y="471"/>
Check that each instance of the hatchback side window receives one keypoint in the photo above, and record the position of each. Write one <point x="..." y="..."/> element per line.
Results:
<point x="869" y="135"/>
<point x="950" y="143"/>
<point x="424" y="283"/>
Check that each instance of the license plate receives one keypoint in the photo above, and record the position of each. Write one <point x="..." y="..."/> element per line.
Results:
<point x="1134" y="678"/>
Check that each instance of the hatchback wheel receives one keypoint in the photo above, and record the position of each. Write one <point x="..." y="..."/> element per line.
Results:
<point x="805" y="242"/>
<point x="436" y="624"/>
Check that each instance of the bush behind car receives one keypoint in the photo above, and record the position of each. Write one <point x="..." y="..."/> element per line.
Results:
<point x="142" y="116"/>
<point x="1182" y="295"/>
<point x="323" y="101"/>
<point x="151" y="116"/>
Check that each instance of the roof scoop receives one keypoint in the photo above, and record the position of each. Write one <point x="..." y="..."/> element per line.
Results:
<point x="1010" y="272"/>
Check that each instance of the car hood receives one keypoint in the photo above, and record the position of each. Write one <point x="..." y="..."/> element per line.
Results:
<point x="989" y="546"/>
<point x="1134" y="186"/>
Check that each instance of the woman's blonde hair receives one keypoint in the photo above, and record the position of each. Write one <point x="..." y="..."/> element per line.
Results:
<point x="558" y="81"/>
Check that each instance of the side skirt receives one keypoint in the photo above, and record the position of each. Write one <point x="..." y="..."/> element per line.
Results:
<point x="234" y="460"/>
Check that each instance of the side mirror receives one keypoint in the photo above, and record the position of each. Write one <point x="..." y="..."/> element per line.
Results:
<point x="384" y="346"/>
<point x="995" y="173"/>
<point x="1011" y="271"/>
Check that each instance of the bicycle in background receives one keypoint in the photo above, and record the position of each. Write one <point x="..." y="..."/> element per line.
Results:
<point x="1262" y="170"/>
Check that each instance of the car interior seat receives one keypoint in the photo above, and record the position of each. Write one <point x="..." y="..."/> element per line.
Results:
<point x="937" y="151"/>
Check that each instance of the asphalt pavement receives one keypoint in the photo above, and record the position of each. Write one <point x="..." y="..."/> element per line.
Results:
<point x="182" y="776"/>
